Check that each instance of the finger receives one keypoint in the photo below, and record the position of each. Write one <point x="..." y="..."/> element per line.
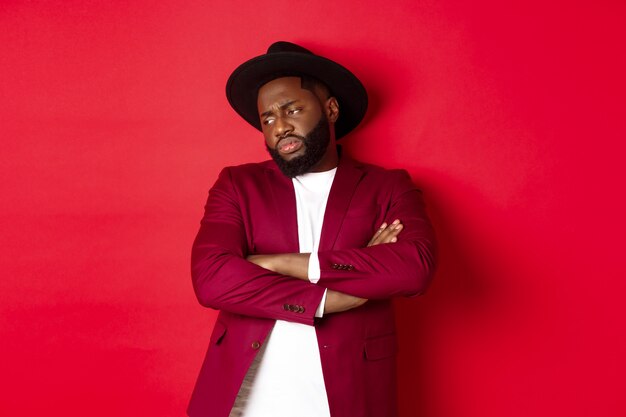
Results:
<point x="380" y="236"/>
<point x="386" y="233"/>
<point x="390" y="233"/>
<point x="378" y="232"/>
<point x="390" y="237"/>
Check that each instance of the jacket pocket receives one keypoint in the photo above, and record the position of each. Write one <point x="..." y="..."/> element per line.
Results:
<point x="219" y="330"/>
<point x="381" y="347"/>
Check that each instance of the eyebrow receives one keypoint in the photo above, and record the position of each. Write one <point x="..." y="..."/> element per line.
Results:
<point x="282" y="107"/>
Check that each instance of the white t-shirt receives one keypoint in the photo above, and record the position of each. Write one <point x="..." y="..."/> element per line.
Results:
<point x="286" y="379"/>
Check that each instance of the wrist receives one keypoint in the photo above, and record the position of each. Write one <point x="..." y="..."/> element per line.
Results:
<point x="295" y="265"/>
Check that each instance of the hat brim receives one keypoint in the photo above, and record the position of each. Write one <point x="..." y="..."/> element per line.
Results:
<point x="244" y="83"/>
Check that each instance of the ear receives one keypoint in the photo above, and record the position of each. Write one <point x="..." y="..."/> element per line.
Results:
<point x="331" y="107"/>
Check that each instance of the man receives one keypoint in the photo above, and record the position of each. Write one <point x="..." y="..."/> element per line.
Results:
<point x="302" y="254"/>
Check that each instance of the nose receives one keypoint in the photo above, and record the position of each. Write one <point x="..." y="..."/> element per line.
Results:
<point x="282" y="127"/>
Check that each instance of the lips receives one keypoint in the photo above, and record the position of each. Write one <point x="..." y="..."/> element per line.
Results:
<point x="289" y="145"/>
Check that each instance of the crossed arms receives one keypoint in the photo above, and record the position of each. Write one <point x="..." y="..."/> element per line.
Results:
<point x="225" y="279"/>
<point x="297" y="265"/>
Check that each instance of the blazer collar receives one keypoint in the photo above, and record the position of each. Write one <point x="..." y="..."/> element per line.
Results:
<point x="349" y="173"/>
<point x="280" y="190"/>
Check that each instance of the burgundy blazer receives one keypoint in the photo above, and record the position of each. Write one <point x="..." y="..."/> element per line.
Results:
<point x="252" y="209"/>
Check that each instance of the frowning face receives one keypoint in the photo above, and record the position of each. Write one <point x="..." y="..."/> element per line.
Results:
<point x="296" y="124"/>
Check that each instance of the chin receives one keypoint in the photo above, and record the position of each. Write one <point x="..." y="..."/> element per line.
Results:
<point x="291" y="156"/>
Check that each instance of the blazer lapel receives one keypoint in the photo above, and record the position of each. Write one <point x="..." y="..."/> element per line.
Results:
<point x="344" y="185"/>
<point x="280" y="190"/>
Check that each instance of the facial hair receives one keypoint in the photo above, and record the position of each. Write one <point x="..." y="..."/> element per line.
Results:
<point x="315" y="146"/>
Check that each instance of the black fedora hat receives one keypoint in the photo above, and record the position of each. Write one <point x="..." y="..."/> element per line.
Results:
<point x="284" y="59"/>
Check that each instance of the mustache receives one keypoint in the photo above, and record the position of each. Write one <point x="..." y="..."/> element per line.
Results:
<point x="315" y="144"/>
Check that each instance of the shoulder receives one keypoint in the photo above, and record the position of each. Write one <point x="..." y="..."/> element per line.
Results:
<point x="250" y="168"/>
<point x="376" y="172"/>
<point x="248" y="171"/>
<point x="253" y="175"/>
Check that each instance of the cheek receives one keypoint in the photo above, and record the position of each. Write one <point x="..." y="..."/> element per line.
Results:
<point x="269" y="138"/>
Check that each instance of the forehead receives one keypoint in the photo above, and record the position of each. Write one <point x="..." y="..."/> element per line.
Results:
<point x="281" y="90"/>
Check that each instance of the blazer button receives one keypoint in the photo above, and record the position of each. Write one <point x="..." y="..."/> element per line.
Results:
<point x="300" y="309"/>
<point x="286" y="307"/>
<point x="255" y="345"/>
<point x="350" y="267"/>
<point x="335" y="266"/>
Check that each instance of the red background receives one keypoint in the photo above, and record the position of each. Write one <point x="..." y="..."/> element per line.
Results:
<point x="114" y="124"/>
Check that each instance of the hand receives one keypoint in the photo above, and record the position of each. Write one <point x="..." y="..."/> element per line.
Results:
<point x="386" y="233"/>
<point x="337" y="302"/>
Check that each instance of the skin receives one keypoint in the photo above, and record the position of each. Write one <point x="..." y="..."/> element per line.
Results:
<point x="286" y="108"/>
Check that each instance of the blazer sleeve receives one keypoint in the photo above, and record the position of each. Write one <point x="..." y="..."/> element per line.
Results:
<point x="404" y="268"/>
<point x="223" y="279"/>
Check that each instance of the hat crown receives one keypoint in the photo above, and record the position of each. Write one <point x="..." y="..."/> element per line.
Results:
<point x="286" y="59"/>
<point x="283" y="46"/>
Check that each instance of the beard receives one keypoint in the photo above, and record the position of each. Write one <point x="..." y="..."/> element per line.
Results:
<point x="315" y="146"/>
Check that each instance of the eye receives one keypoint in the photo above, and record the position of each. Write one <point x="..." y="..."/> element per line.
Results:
<point x="293" y="111"/>
<point x="268" y="121"/>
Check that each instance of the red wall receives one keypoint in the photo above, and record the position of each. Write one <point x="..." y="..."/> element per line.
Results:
<point x="114" y="124"/>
